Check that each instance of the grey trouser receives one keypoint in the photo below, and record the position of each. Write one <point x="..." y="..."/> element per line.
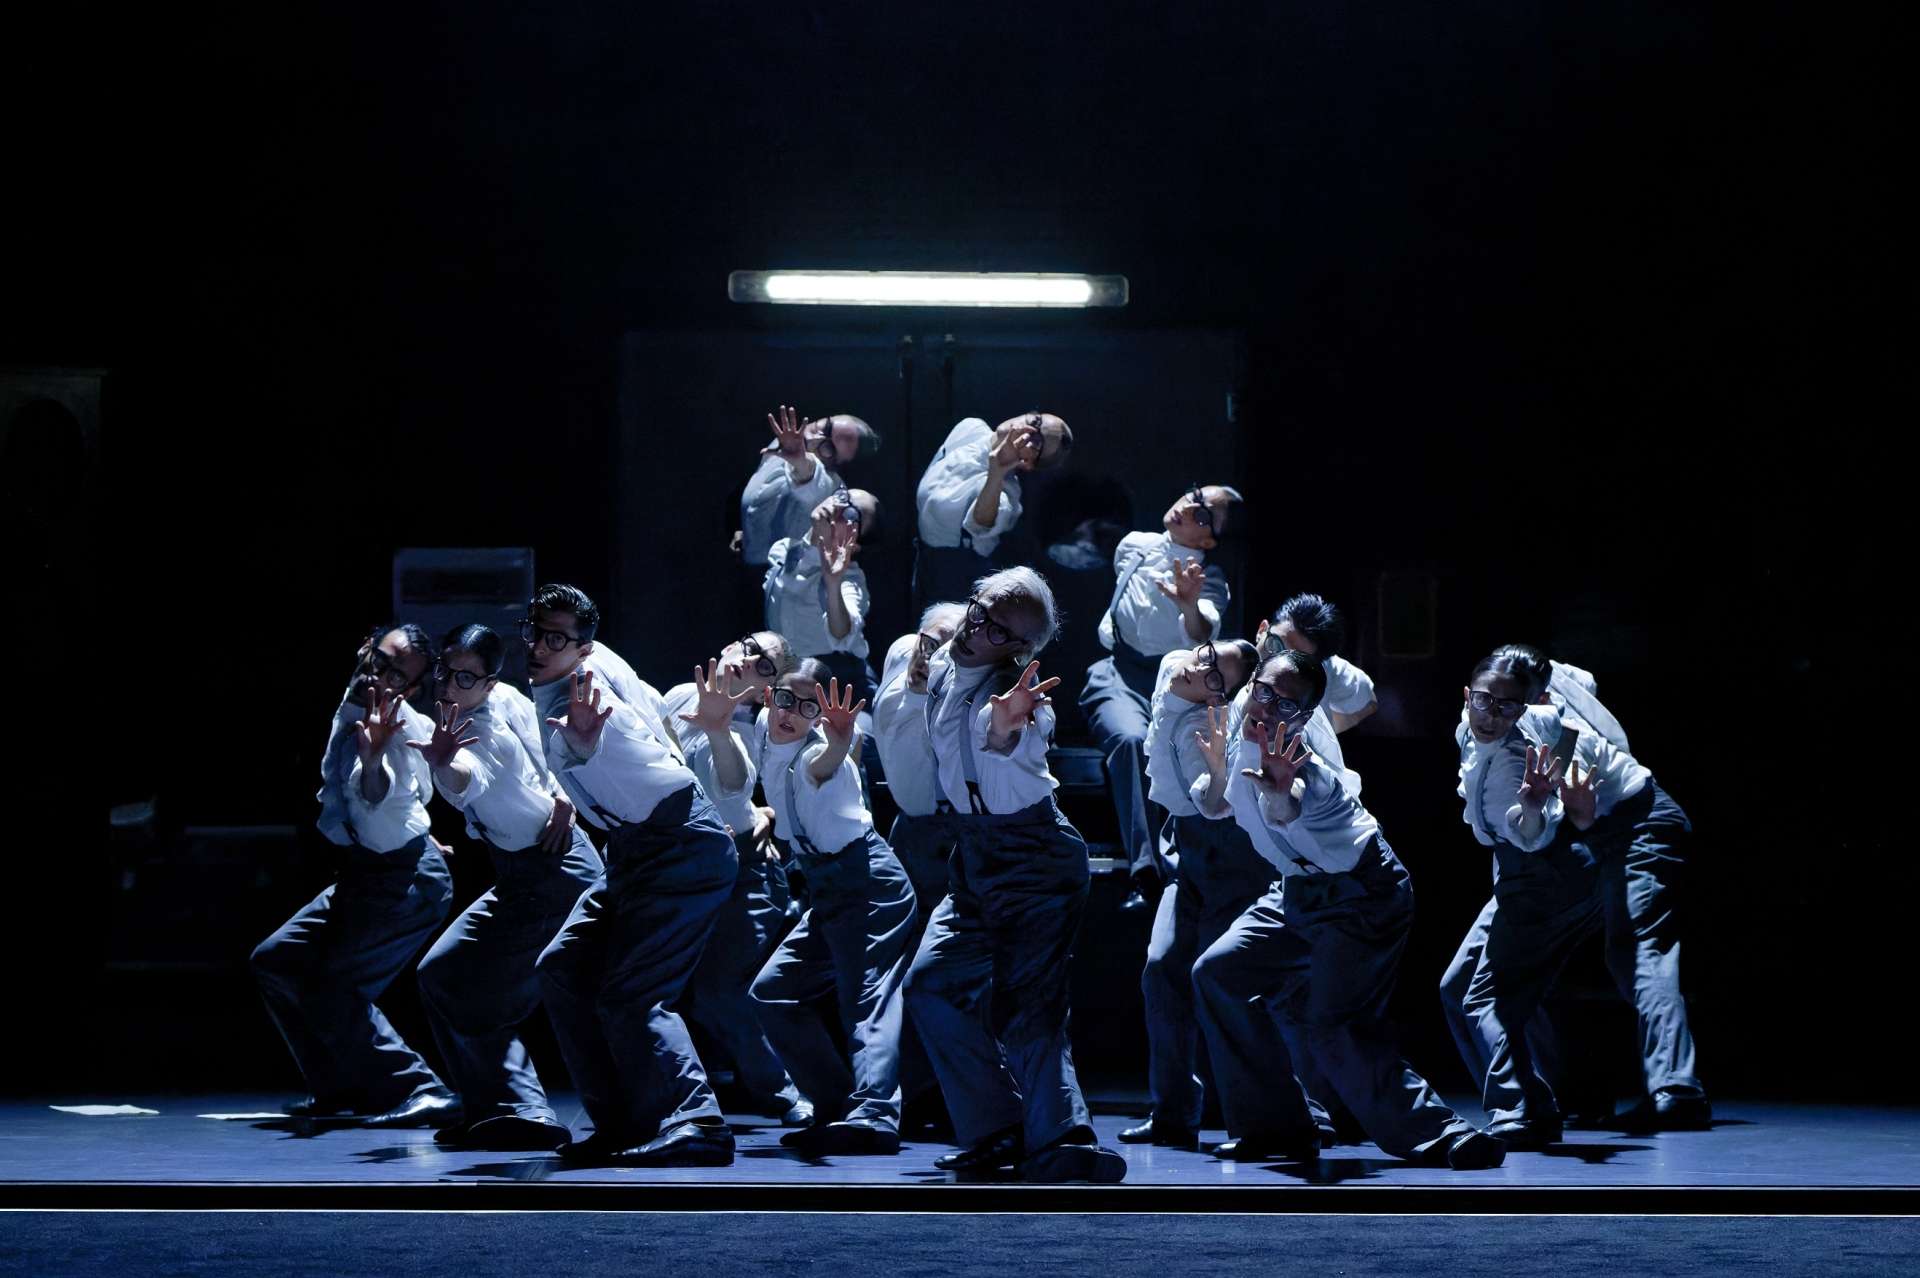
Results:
<point x="625" y="953"/>
<point x="716" y="1000"/>
<point x="1327" y="948"/>
<point x="478" y="981"/>
<point x="988" y="989"/>
<point x="851" y="943"/>
<point x="321" y="972"/>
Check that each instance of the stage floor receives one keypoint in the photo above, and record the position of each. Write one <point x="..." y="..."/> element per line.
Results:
<point x="1834" y="1158"/>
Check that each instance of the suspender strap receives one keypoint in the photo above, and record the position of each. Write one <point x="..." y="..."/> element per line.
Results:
<point x="800" y="839"/>
<point x="969" y="767"/>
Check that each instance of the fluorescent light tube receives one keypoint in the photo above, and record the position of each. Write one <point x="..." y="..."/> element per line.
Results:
<point x="926" y="288"/>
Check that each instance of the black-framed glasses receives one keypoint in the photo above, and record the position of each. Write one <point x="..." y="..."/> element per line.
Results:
<point x="1210" y="663"/>
<point x="1283" y="707"/>
<point x="1487" y="703"/>
<point x="977" y="619"/>
<point x="927" y="645"/>
<point x="788" y="699"/>
<point x="532" y="632"/>
<point x="763" y="665"/>
<point x="1202" y="513"/>
<point x="821" y="445"/>
<point x="461" y="679"/>
<point x="844" y="509"/>
<point x="386" y="669"/>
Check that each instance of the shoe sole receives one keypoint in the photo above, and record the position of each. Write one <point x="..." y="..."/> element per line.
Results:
<point x="1066" y="1165"/>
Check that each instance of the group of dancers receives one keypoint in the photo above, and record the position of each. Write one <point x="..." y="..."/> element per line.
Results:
<point x="936" y="959"/>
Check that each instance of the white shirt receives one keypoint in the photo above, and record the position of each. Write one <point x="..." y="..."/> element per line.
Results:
<point x="1328" y="831"/>
<point x="1577" y="693"/>
<point x="509" y="795"/>
<point x="1490" y="777"/>
<point x="953" y="482"/>
<point x="831" y="813"/>
<point x="775" y="505"/>
<point x="1008" y="782"/>
<point x="1349" y="688"/>
<point x="1621" y="775"/>
<point x="610" y="670"/>
<point x="1144" y="618"/>
<point x="900" y="733"/>
<point x="346" y="818"/>
<point x="735" y="806"/>
<point x="1174" y="759"/>
<point x="797" y="601"/>
<point x="631" y="767"/>
<point x="1321" y="738"/>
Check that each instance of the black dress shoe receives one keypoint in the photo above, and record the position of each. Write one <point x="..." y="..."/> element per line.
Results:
<point x="1151" y="1133"/>
<point x="1476" y="1151"/>
<point x="1136" y="902"/>
<point x="842" y="1138"/>
<point x="683" y="1145"/>
<point x="1265" y="1147"/>
<point x="1062" y="1164"/>
<point x="1666" y="1112"/>
<point x="1001" y="1151"/>
<point x="597" y="1150"/>
<point x="454" y="1137"/>
<point x="425" y="1109"/>
<point x="1529" y="1134"/>
<point x="512" y="1134"/>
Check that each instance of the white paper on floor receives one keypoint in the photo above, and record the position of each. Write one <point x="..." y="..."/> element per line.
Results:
<point x="235" y="1117"/>
<point x="102" y="1111"/>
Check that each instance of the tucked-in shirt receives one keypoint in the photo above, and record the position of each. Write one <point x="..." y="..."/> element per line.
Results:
<point x="829" y="814"/>
<point x="796" y="595"/>
<point x="953" y="482"/>
<point x="508" y="799"/>
<point x="1140" y="614"/>
<point x="1328" y="832"/>
<point x="735" y="806"/>
<point x="346" y="817"/>
<point x="1490" y="777"/>
<point x="630" y="768"/>
<point x="1008" y="782"/>
<point x="1349" y="688"/>
<point x="1174" y="758"/>
<point x="1321" y="738"/>
<point x="774" y="506"/>
<point x="900" y="733"/>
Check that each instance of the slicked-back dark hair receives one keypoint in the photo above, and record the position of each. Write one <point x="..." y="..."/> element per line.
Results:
<point x="1304" y="664"/>
<point x="1249" y="663"/>
<point x="1517" y="661"/>
<point x="555" y="597"/>
<point x="483" y="642"/>
<point x="1317" y="619"/>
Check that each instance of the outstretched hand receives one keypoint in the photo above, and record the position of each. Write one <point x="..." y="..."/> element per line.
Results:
<point x="1014" y="709"/>
<point x="372" y="733"/>
<point x="1281" y="758"/>
<point x="789" y="433"/>
<point x="713" y="704"/>
<point x="585" y="718"/>
<point x="1541" y="779"/>
<point x="839" y="714"/>
<point x="1213" y="742"/>
<point x="449" y="738"/>
<point x="1581" y="797"/>
<point x="837" y="555"/>
<point x="1185" y="582"/>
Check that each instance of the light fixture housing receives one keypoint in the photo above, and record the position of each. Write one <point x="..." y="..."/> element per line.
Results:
<point x="1027" y="290"/>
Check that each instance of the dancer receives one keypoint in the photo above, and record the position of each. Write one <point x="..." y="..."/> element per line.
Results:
<point x="1325" y="942"/>
<point x="1003" y="936"/>
<point x="478" y="981"/>
<point x="322" y="970"/>
<point x="796" y="472"/>
<point x="633" y="939"/>
<point x="969" y="497"/>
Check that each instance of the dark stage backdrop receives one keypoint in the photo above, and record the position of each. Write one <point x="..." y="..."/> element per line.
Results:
<point x="1584" y="324"/>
